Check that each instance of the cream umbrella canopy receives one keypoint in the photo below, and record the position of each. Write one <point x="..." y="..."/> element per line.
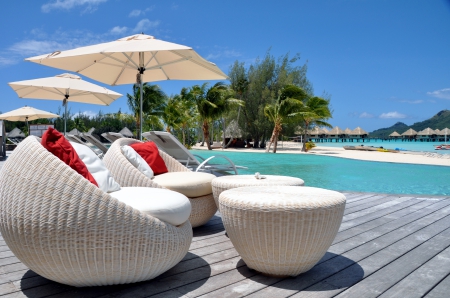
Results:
<point x="65" y="87"/>
<point x="27" y="114"/>
<point x="134" y="59"/>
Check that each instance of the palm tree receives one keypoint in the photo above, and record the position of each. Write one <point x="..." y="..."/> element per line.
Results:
<point x="279" y="113"/>
<point x="153" y="100"/>
<point x="314" y="112"/>
<point x="211" y="103"/>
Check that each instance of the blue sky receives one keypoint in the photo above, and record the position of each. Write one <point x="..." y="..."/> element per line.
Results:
<point x="381" y="61"/>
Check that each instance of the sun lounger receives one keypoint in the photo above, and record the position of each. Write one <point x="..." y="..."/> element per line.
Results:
<point x="94" y="141"/>
<point x="76" y="139"/>
<point x="112" y="136"/>
<point x="169" y="144"/>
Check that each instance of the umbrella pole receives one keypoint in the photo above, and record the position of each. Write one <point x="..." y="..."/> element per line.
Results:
<point x="141" y="91"/>
<point x="65" y="112"/>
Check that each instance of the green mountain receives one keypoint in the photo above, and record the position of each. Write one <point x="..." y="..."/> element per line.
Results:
<point x="439" y="121"/>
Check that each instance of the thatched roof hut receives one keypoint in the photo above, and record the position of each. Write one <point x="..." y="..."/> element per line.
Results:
<point x="126" y="132"/>
<point x="358" y="132"/>
<point x="444" y="131"/>
<point x="317" y="131"/>
<point x="426" y="132"/>
<point x="15" y="133"/>
<point x="74" y="132"/>
<point x="409" y="133"/>
<point x="347" y="131"/>
<point x="394" y="135"/>
<point x="233" y="130"/>
<point x="336" y="131"/>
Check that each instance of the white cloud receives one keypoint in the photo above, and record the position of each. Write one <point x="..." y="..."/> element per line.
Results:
<point x="392" y="115"/>
<point x="91" y="5"/>
<point x="365" y="115"/>
<point x="8" y="61"/>
<point x="139" y="12"/>
<point x="412" y="101"/>
<point x="443" y="93"/>
<point x="223" y="53"/>
<point x="118" y="30"/>
<point x="35" y="47"/>
<point x="145" y="24"/>
<point x="90" y="114"/>
<point x="135" y="13"/>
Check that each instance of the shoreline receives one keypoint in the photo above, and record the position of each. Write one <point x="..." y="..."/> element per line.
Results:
<point x="409" y="157"/>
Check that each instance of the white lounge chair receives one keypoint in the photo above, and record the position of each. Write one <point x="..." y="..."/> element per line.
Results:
<point x="169" y="144"/>
<point x="94" y="141"/>
<point x="112" y="136"/>
<point x="76" y="139"/>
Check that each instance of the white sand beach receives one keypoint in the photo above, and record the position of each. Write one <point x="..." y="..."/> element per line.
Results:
<point x="400" y="157"/>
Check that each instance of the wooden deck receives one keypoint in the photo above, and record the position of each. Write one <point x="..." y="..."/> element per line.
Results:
<point x="387" y="246"/>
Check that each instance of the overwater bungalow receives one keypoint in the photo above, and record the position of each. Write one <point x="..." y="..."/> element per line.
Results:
<point x="336" y="134"/>
<point x="358" y="134"/>
<point x="394" y="136"/>
<point x="427" y="135"/>
<point x="317" y="134"/>
<point x="443" y="135"/>
<point x="409" y="135"/>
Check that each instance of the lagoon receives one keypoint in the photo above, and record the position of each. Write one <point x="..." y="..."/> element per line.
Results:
<point x="343" y="174"/>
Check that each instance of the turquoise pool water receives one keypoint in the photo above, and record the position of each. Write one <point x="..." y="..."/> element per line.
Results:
<point x="345" y="174"/>
<point x="412" y="146"/>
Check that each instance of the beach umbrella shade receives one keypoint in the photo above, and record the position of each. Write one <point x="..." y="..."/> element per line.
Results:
<point x="65" y="87"/>
<point x="134" y="59"/>
<point x="27" y="114"/>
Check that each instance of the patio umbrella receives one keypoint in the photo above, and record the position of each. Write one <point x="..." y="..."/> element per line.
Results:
<point x="134" y="59"/>
<point x="27" y="114"/>
<point x="65" y="87"/>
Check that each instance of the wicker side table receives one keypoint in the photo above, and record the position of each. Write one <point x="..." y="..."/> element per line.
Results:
<point x="281" y="230"/>
<point x="223" y="183"/>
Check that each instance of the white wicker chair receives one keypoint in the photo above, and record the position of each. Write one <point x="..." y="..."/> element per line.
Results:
<point x="66" y="229"/>
<point x="203" y="208"/>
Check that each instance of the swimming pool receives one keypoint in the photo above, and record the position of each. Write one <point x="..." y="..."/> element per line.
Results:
<point x="345" y="174"/>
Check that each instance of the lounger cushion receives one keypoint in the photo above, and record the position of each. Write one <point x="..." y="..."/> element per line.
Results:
<point x="149" y="151"/>
<point x="96" y="167"/>
<point x="191" y="184"/>
<point x="137" y="161"/>
<point x="56" y="143"/>
<point x="166" y="205"/>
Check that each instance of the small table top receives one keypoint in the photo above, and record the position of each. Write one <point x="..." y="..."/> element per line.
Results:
<point x="281" y="198"/>
<point x="250" y="180"/>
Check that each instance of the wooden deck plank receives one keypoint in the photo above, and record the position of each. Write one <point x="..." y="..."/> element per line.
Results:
<point x="423" y="279"/>
<point x="360" y="225"/>
<point x="379" y="234"/>
<point x="351" y="258"/>
<point x="441" y="290"/>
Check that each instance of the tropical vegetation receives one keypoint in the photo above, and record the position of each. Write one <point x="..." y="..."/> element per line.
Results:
<point x="266" y="100"/>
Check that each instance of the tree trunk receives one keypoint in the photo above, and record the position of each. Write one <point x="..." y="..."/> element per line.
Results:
<point x="274" y="138"/>
<point x="305" y="134"/>
<point x="206" y="134"/>
<point x="223" y="128"/>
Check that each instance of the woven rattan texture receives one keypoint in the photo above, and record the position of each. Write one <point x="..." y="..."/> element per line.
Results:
<point x="203" y="208"/>
<point x="66" y="229"/>
<point x="220" y="184"/>
<point x="277" y="233"/>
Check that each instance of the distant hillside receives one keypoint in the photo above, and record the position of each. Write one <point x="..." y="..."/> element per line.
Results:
<point x="439" y="121"/>
<point x="399" y="127"/>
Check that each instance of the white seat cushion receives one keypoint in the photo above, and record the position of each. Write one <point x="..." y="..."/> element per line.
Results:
<point x="137" y="161"/>
<point x="96" y="167"/>
<point x="191" y="184"/>
<point x="166" y="205"/>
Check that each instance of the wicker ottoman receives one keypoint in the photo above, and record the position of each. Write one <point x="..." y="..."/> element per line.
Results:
<point x="223" y="183"/>
<point x="281" y="230"/>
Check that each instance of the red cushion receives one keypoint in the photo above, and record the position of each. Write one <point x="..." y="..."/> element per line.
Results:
<point x="149" y="152"/>
<point x="57" y="144"/>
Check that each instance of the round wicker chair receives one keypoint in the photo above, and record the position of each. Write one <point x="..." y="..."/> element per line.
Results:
<point x="203" y="208"/>
<point x="66" y="229"/>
